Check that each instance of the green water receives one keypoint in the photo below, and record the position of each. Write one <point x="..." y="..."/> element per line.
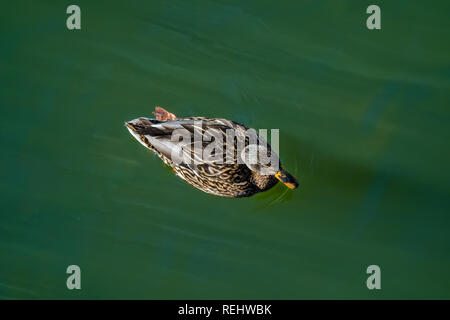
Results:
<point x="364" y="125"/>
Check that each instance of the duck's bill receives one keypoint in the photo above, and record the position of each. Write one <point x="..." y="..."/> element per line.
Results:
<point x="287" y="179"/>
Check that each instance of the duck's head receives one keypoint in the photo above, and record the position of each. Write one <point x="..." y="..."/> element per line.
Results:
<point x="264" y="170"/>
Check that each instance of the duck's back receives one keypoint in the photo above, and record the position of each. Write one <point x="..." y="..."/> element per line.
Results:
<point x="175" y="142"/>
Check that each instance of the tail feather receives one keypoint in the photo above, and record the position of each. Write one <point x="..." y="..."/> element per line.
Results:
<point x="147" y="127"/>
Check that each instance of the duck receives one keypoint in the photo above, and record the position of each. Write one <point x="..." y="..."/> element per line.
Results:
<point x="243" y="174"/>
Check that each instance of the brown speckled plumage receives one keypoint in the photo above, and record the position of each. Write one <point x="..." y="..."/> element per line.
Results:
<point x="222" y="179"/>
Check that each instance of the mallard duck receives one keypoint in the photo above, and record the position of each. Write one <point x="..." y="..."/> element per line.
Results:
<point x="241" y="175"/>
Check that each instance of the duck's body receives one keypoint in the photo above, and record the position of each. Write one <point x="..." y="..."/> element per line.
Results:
<point x="229" y="178"/>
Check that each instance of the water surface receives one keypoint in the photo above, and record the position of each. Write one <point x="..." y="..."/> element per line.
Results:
<point x="363" y="118"/>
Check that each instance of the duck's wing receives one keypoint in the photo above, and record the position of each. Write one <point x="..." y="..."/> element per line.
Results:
<point x="177" y="139"/>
